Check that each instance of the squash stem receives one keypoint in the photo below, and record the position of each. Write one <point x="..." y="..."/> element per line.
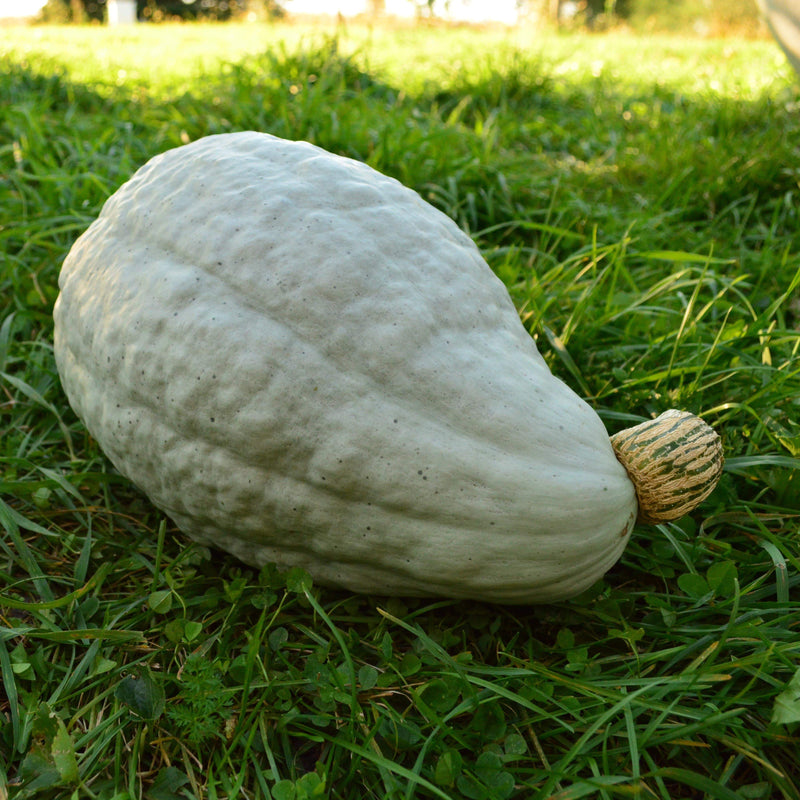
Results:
<point x="674" y="462"/>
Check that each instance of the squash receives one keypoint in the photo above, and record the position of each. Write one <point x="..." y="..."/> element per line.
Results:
<point x="301" y="362"/>
<point x="783" y="20"/>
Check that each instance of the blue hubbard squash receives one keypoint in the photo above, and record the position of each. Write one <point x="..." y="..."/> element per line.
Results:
<point x="301" y="362"/>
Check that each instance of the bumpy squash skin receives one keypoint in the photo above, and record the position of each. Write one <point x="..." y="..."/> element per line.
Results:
<point x="300" y="361"/>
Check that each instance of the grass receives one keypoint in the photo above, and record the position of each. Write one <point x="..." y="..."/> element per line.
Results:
<point x="640" y="200"/>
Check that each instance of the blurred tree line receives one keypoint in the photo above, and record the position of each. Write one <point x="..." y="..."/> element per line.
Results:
<point x="160" y="10"/>
<point x="642" y="14"/>
<point x="88" y="10"/>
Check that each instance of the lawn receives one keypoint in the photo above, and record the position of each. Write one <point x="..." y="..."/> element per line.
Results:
<point x="640" y="200"/>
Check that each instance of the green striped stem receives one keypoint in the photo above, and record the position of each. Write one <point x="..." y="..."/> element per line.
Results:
<point x="674" y="462"/>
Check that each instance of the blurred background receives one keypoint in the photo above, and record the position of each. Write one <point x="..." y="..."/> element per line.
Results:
<point x="701" y="17"/>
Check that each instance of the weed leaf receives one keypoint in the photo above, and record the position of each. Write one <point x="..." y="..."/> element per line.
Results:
<point x="142" y="694"/>
<point x="787" y="704"/>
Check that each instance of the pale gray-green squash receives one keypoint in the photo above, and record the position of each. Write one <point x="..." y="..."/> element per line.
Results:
<point x="300" y="361"/>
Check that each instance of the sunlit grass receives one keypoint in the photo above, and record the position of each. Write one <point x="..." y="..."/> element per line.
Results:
<point x="161" y="56"/>
<point x="640" y="199"/>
